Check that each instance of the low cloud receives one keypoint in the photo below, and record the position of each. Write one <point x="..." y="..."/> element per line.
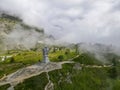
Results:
<point x="96" y="21"/>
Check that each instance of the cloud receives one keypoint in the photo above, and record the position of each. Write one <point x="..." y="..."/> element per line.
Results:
<point x="71" y="20"/>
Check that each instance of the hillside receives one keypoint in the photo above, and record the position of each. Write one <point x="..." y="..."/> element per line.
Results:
<point x="85" y="73"/>
<point x="79" y="66"/>
<point x="80" y="77"/>
<point x="15" y="34"/>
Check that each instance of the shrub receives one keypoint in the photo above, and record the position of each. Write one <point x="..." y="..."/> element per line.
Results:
<point x="113" y="72"/>
<point x="60" y="57"/>
<point x="12" y="60"/>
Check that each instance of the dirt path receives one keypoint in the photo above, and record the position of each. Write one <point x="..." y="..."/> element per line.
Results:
<point x="34" y="70"/>
<point x="95" y="66"/>
<point x="11" y="88"/>
<point x="50" y="85"/>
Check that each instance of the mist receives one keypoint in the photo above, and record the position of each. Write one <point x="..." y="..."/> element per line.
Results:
<point x="22" y="39"/>
<point x="73" y="21"/>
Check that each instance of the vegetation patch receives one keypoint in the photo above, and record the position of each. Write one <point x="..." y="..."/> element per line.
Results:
<point x="6" y="69"/>
<point x="35" y="83"/>
<point x="69" y="78"/>
<point x="88" y="59"/>
<point x="4" y="87"/>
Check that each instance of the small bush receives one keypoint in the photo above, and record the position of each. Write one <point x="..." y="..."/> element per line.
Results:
<point x="60" y="57"/>
<point x="12" y="60"/>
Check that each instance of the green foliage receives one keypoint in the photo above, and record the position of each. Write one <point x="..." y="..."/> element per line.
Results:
<point x="35" y="28"/>
<point x="39" y="30"/>
<point x="34" y="83"/>
<point x="28" y="57"/>
<point x="67" y="51"/>
<point x="87" y="58"/>
<point x="11" y="17"/>
<point x="60" y="57"/>
<point x="33" y="49"/>
<point x="77" y="49"/>
<point x="24" y="58"/>
<point x="69" y="78"/>
<point x="4" y="87"/>
<point x="12" y="60"/>
<point x="114" y="61"/>
<point x="26" y="26"/>
<point x="7" y="68"/>
<point x="113" y="72"/>
<point x="111" y="57"/>
<point x="55" y="56"/>
<point x="116" y="85"/>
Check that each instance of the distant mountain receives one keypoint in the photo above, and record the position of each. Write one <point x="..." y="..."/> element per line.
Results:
<point x="14" y="34"/>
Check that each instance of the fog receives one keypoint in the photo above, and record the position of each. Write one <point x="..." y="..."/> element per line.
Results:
<point x="91" y="21"/>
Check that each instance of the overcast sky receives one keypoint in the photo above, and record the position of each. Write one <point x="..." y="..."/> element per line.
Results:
<point x="71" y="20"/>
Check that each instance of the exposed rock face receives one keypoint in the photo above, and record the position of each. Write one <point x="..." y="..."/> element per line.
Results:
<point x="14" y="34"/>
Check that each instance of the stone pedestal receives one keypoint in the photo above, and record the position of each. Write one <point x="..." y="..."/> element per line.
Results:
<point x="45" y="55"/>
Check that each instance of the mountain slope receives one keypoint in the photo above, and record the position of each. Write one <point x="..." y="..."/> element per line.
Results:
<point x="16" y="34"/>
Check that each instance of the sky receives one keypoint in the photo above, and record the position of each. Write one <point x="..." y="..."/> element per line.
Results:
<point x="74" y="21"/>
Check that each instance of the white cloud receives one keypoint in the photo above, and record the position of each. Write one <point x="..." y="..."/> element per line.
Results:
<point x="71" y="20"/>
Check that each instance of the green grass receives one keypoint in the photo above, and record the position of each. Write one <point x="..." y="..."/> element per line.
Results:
<point x="54" y="56"/>
<point x="31" y="57"/>
<point x="6" y="69"/>
<point x="116" y="85"/>
<point x="69" y="78"/>
<point x="21" y="59"/>
<point x="26" y="58"/>
<point x="34" y="83"/>
<point x="88" y="59"/>
<point x="85" y="79"/>
<point x="4" y="87"/>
